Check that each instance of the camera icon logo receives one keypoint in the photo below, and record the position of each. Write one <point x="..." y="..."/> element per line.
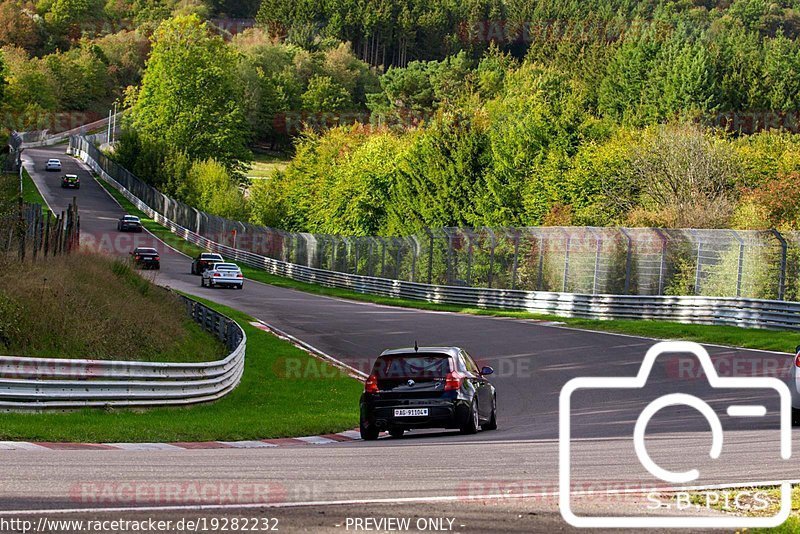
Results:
<point x="673" y="477"/>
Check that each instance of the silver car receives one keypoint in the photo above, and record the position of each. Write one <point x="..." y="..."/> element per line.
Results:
<point x="223" y="274"/>
<point x="53" y="165"/>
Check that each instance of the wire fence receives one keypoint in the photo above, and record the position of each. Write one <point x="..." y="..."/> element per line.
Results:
<point x="587" y="260"/>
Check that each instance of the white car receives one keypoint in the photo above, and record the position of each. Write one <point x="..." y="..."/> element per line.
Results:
<point x="223" y="274"/>
<point x="53" y="165"/>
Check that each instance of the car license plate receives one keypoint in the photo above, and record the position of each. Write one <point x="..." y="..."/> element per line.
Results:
<point x="411" y="412"/>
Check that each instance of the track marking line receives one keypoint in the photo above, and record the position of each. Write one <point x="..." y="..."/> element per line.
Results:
<point x="396" y="500"/>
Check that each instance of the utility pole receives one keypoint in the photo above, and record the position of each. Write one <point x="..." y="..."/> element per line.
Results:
<point x="114" y="127"/>
<point x="108" y="133"/>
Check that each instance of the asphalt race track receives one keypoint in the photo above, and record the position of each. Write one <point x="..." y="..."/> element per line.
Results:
<point x="532" y="362"/>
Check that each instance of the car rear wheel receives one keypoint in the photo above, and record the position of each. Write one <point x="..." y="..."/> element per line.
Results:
<point x="368" y="433"/>
<point x="470" y="426"/>
<point x="396" y="432"/>
<point x="492" y="423"/>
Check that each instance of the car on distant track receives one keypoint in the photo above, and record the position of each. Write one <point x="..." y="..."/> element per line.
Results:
<point x="146" y="258"/>
<point x="794" y="387"/>
<point x="223" y="274"/>
<point x="71" y="181"/>
<point x="53" y="165"/>
<point x="129" y="223"/>
<point x="427" y="387"/>
<point x="204" y="261"/>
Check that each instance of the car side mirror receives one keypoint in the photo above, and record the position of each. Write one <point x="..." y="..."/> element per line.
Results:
<point x="486" y="370"/>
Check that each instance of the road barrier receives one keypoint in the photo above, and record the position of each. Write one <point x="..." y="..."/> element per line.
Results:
<point x="40" y="138"/>
<point x="56" y="383"/>
<point x="746" y="312"/>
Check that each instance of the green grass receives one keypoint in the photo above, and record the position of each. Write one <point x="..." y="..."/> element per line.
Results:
<point x="265" y="165"/>
<point x="30" y="193"/>
<point x="752" y="338"/>
<point x="284" y="392"/>
<point x="770" y="494"/>
<point x="91" y="306"/>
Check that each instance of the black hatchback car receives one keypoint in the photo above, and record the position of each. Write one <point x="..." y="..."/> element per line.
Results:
<point x="146" y="258"/>
<point x="427" y="387"/>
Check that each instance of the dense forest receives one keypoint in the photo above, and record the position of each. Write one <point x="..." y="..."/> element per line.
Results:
<point x="400" y="115"/>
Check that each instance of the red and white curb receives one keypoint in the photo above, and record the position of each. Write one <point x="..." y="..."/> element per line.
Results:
<point x="325" y="439"/>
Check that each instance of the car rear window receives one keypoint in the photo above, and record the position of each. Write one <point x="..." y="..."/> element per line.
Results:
<point x="226" y="267"/>
<point x="412" y="366"/>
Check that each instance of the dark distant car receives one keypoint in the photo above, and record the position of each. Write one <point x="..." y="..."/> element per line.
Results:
<point x="71" y="181"/>
<point x="129" y="223"/>
<point x="146" y="258"/>
<point x="204" y="261"/>
<point x="427" y="387"/>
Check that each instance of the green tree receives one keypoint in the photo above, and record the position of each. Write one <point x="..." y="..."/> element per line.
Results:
<point x="190" y="98"/>
<point x="325" y="94"/>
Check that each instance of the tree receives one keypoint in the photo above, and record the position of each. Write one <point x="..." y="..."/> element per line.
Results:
<point x="687" y="179"/>
<point x="210" y="188"/>
<point x="324" y="94"/>
<point x="190" y="98"/>
<point x="17" y="25"/>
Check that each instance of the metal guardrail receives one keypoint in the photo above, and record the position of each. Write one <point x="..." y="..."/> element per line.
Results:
<point x="52" y="383"/>
<point x="756" y="313"/>
<point x="42" y="138"/>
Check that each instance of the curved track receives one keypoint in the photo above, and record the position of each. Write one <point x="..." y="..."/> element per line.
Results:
<point x="533" y="361"/>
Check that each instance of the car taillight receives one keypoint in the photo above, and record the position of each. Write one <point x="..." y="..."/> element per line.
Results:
<point x="797" y="360"/>
<point x="371" y="386"/>
<point x="239" y="276"/>
<point x="157" y="258"/>
<point x="137" y="257"/>
<point x="217" y="274"/>
<point x="453" y="381"/>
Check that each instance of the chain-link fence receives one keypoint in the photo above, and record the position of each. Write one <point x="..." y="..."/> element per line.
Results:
<point x="588" y="260"/>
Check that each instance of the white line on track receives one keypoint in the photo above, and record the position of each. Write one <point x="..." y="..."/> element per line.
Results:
<point x="398" y="500"/>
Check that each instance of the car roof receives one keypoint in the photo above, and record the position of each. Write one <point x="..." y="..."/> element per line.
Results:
<point x="53" y="159"/>
<point x="210" y="254"/>
<point x="70" y="175"/>
<point x="449" y="351"/>
<point x="232" y="265"/>
<point x="145" y="249"/>
<point x="132" y="217"/>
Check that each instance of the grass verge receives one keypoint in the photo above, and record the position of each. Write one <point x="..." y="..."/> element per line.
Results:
<point x="311" y="398"/>
<point x="767" y="504"/>
<point x="30" y="193"/>
<point x="752" y="338"/>
<point x="265" y="164"/>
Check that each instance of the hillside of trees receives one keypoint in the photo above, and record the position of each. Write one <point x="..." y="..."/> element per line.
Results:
<point x="400" y="115"/>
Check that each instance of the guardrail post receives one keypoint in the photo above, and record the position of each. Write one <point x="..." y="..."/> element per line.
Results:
<point x="662" y="266"/>
<point x="515" y="265"/>
<point x="430" y="256"/>
<point x="598" y="247"/>
<point x="540" y="277"/>
<point x="566" y="259"/>
<point x="628" y="259"/>
<point x="782" y="272"/>
<point x="740" y="263"/>
<point x="698" y="268"/>
<point x="470" y="252"/>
